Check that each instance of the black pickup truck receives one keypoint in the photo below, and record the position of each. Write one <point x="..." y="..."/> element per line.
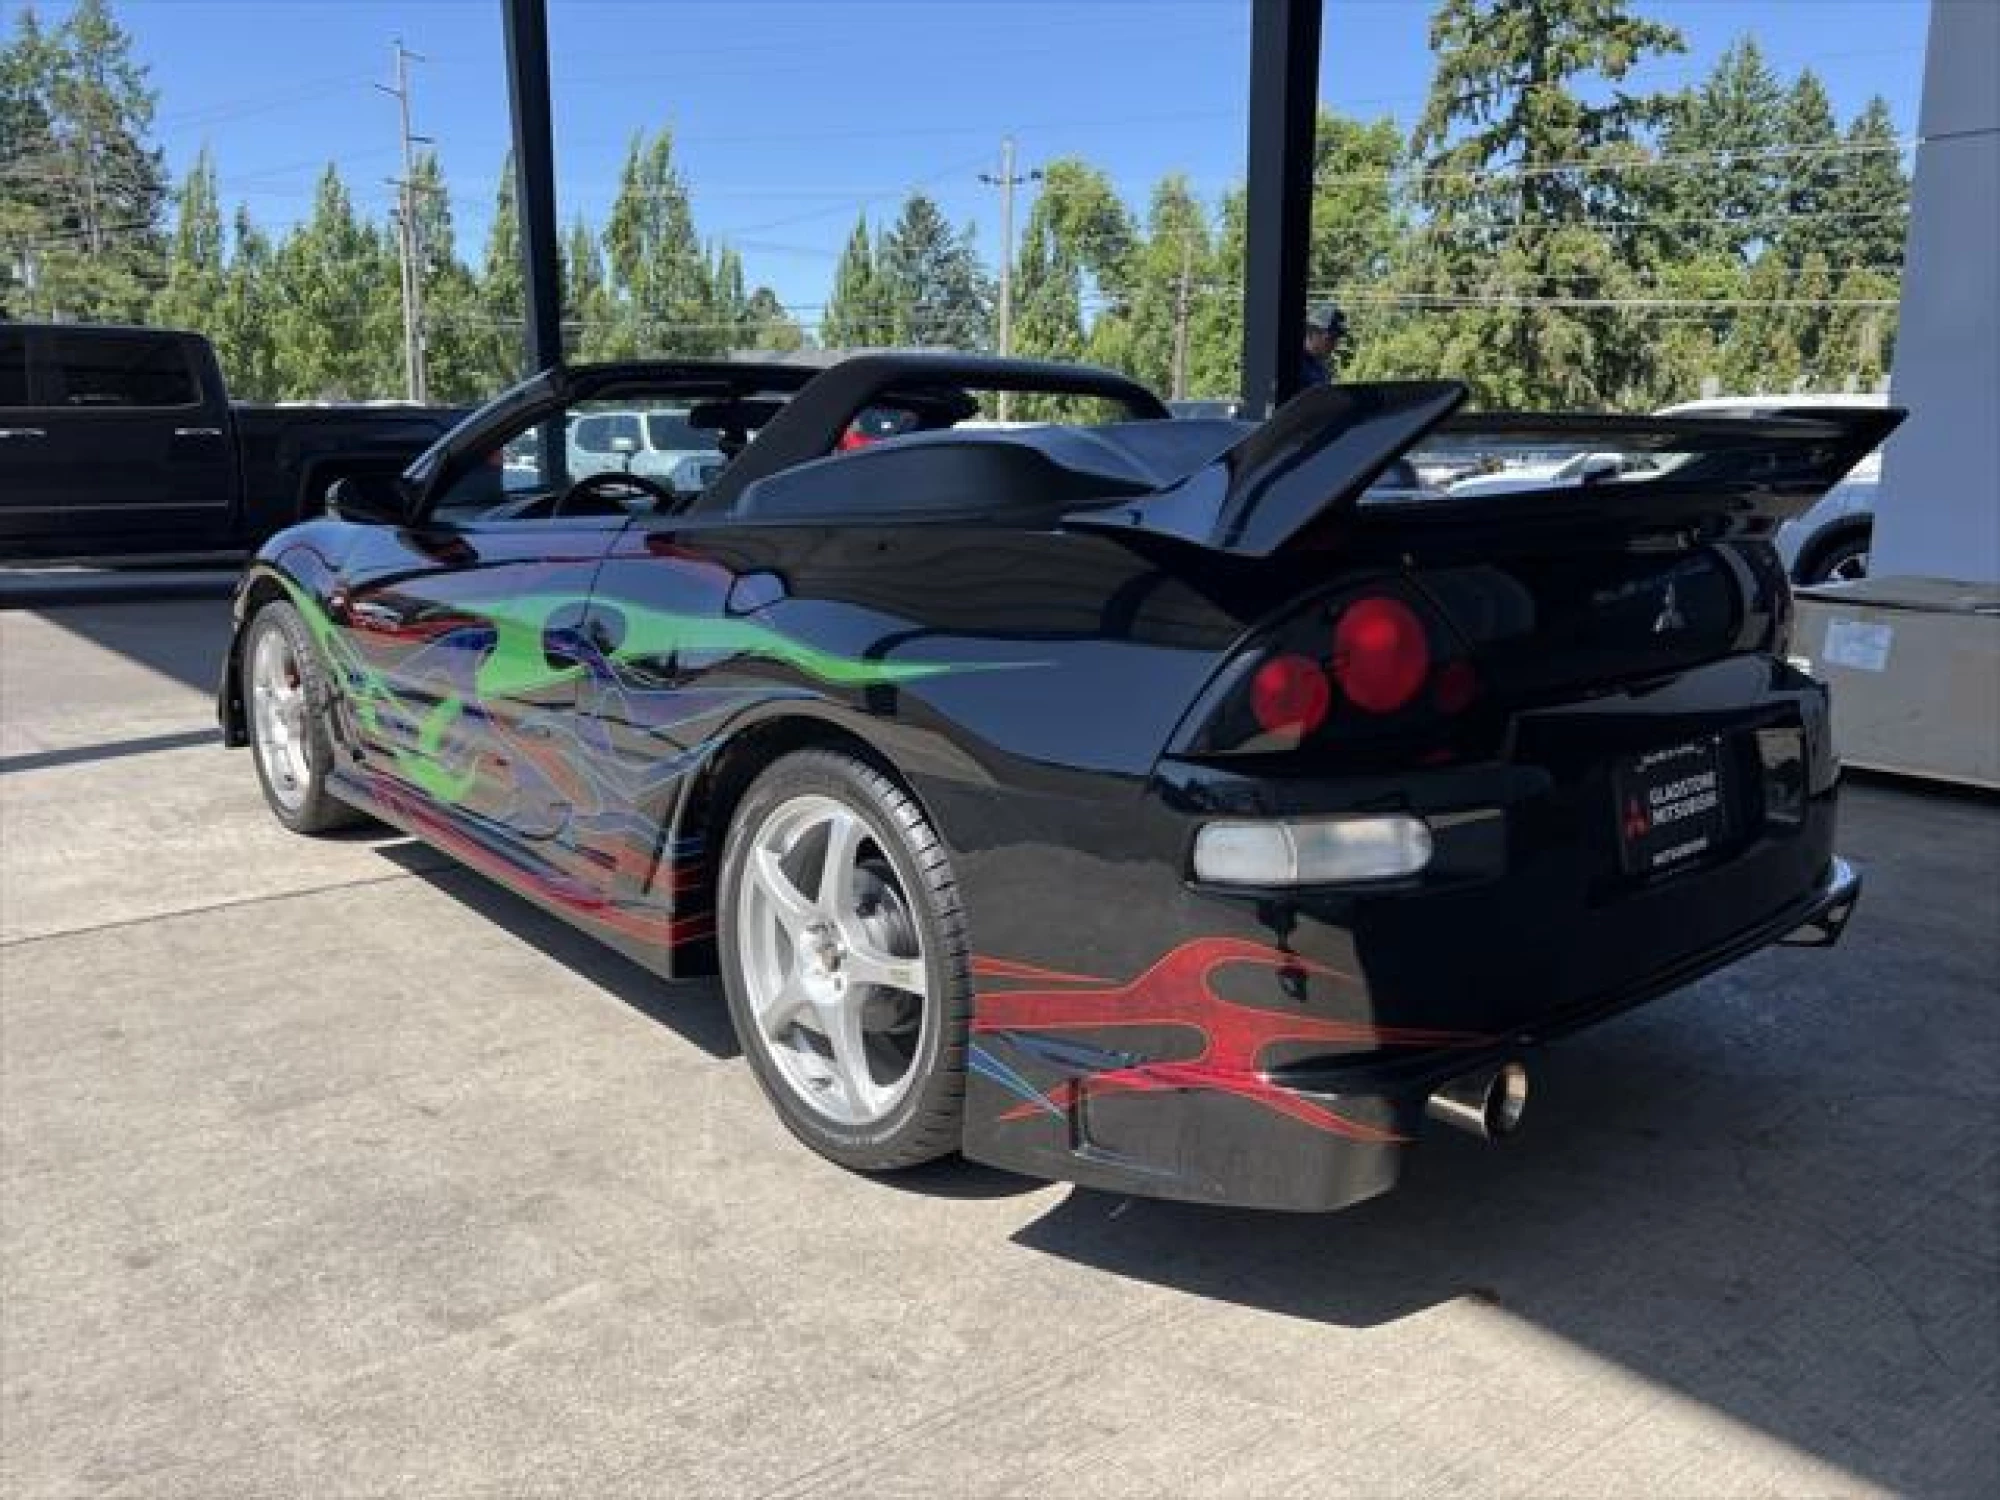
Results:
<point x="124" y="442"/>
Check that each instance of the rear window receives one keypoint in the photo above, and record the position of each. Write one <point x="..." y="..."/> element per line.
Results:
<point x="13" y="368"/>
<point x="600" y="434"/>
<point x="114" y="370"/>
<point x="669" y="432"/>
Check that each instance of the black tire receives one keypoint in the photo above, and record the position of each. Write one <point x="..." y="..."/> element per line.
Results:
<point x="309" y="808"/>
<point x="924" y="1125"/>
<point x="1845" y="558"/>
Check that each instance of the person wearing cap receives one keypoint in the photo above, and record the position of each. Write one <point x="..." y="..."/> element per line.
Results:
<point x="1325" y="328"/>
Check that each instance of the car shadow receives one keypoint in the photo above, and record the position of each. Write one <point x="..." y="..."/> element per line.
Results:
<point x="179" y="638"/>
<point x="74" y="755"/>
<point x="691" y="1008"/>
<point x="1702" y="1216"/>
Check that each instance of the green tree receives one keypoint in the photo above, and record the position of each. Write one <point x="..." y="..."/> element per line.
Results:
<point x="241" y="327"/>
<point x="1811" y="172"/>
<point x="1869" y="197"/>
<point x="1515" y="162"/>
<point x="729" y="298"/>
<point x="1355" y="218"/>
<point x="1855" y="351"/>
<point x="82" y="193"/>
<point x="1167" y="273"/>
<point x="1762" y="353"/>
<point x="768" y="326"/>
<point x="29" y="221"/>
<point x="1048" y="306"/>
<point x="334" y="307"/>
<point x="929" y="276"/>
<point x="456" y="335"/>
<point x="659" y="276"/>
<point x="1687" y="342"/>
<point x="1091" y="225"/>
<point x="193" y="290"/>
<point x="1216" y="361"/>
<point x="586" y="294"/>
<point x="858" y="311"/>
<point x="503" y="295"/>
<point x="1727" y="195"/>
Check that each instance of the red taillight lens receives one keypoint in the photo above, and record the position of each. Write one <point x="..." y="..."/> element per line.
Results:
<point x="1381" y="654"/>
<point x="1290" y="695"/>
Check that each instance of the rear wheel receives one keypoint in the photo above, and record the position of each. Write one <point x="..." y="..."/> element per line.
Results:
<point x="285" y="692"/>
<point x="1844" y="560"/>
<point x="844" y="960"/>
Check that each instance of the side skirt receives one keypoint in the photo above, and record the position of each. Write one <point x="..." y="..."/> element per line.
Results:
<point x="669" y="944"/>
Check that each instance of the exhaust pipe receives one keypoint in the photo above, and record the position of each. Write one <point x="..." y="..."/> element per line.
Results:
<point x="1488" y="1103"/>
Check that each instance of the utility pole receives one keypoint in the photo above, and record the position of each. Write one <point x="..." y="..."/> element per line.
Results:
<point x="409" y="236"/>
<point x="1007" y="181"/>
<point x="1181" y="315"/>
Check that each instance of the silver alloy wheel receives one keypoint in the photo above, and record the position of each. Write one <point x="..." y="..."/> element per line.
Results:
<point x="833" y="964"/>
<point x="278" y="703"/>
<point x="1850" y="569"/>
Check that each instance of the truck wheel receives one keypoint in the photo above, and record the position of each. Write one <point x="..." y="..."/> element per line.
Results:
<point x="844" y="958"/>
<point x="285" y="691"/>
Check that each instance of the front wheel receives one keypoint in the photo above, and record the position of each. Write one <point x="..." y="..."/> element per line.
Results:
<point x="844" y="959"/>
<point x="285" y="691"/>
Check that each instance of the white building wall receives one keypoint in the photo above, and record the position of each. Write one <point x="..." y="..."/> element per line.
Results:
<point x="1938" y="515"/>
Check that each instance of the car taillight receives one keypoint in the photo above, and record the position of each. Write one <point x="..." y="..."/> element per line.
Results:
<point x="1290" y="694"/>
<point x="1381" y="654"/>
<point x="1370" y="676"/>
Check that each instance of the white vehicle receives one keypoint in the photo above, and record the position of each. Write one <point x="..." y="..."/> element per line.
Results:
<point x="657" y="443"/>
<point x="1554" y="474"/>
<point x="1830" y="542"/>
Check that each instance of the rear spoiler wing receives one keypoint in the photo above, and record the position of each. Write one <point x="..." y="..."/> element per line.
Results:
<point x="1313" y="463"/>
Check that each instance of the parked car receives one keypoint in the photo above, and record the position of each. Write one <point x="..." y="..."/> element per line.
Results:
<point x="124" y="441"/>
<point x="1830" y="542"/>
<point x="1577" y="468"/>
<point x="656" y="441"/>
<point x="1206" y="407"/>
<point x="1164" y="805"/>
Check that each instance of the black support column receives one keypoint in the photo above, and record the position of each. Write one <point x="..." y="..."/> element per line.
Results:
<point x="527" y="23"/>
<point x="1284" y="104"/>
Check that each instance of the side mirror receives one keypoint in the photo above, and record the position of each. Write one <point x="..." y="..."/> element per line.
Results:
<point x="368" y="500"/>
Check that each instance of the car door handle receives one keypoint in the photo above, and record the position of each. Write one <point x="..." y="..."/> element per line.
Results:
<point x="23" y="432"/>
<point x="197" y="432"/>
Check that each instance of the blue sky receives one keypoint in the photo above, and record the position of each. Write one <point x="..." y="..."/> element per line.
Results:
<point x="791" y="116"/>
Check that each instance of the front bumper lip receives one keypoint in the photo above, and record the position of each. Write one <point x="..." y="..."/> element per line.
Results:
<point x="1835" y="901"/>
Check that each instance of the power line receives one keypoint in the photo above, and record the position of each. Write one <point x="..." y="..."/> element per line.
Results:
<point x="1509" y="170"/>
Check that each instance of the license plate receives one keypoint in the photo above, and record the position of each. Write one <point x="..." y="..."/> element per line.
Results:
<point x="1673" y="806"/>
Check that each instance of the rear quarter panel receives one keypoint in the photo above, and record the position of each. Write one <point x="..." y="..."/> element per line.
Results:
<point x="1023" y="683"/>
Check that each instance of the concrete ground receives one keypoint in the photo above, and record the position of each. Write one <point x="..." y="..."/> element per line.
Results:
<point x="327" y="1169"/>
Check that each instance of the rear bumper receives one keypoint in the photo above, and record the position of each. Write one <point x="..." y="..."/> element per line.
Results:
<point x="1310" y="1137"/>
<point x="1138" y="1033"/>
<point x="1832" y="906"/>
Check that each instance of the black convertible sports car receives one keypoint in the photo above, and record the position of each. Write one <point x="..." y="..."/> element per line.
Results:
<point x="1183" y="807"/>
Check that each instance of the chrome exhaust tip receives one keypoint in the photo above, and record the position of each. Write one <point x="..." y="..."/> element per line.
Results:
<point x="1488" y="1103"/>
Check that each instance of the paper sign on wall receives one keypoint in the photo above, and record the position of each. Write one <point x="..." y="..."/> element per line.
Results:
<point x="1860" y="644"/>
